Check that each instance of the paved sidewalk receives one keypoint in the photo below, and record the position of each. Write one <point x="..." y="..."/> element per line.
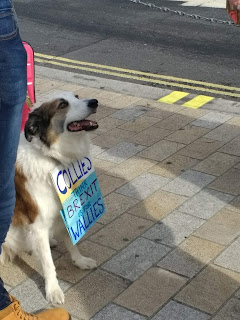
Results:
<point x="168" y="247"/>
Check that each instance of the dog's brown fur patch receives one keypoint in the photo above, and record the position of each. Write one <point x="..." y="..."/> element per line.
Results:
<point x="57" y="117"/>
<point x="26" y="210"/>
<point x="47" y="121"/>
<point x="52" y="136"/>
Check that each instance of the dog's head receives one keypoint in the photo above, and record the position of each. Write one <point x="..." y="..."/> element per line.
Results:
<point x="60" y="123"/>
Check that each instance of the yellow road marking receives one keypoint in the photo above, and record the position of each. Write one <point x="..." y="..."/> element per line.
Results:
<point x="197" y="102"/>
<point x="206" y="84"/>
<point x="173" y="97"/>
<point x="121" y="75"/>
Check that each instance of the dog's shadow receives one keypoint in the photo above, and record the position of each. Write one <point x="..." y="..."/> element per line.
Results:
<point x="189" y="257"/>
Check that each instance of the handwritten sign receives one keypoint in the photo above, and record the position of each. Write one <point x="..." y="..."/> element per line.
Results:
<point x="79" y="192"/>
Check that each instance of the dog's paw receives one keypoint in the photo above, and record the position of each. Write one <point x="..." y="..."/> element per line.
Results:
<point x="55" y="295"/>
<point x="85" y="263"/>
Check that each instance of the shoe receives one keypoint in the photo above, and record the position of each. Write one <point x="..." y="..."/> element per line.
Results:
<point x="15" y="312"/>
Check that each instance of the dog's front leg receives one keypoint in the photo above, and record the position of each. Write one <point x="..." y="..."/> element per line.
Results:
<point x="77" y="259"/>
<point x="41" y="248"/>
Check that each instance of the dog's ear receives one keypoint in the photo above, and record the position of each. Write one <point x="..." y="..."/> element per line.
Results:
<point x="33" y="124"/>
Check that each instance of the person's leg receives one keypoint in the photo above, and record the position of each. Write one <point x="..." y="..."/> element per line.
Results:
<point x="12" y="96"/>
<point x="13" y="87"/>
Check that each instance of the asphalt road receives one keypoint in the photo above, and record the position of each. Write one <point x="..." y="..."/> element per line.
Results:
<point x="123" y="34"/>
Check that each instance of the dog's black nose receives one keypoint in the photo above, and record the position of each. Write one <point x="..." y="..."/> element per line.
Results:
<point x="92" y="103"/>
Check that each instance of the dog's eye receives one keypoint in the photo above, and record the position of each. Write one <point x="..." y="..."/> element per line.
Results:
<point x="63" y="104"/>
<point x="76" y="96"/>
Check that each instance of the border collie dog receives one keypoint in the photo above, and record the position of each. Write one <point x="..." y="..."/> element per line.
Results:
<point x="55" y="133"/>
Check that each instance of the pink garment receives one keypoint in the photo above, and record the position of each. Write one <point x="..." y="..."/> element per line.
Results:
<point x="234" y="15"/>
<point x="30" y="83"/>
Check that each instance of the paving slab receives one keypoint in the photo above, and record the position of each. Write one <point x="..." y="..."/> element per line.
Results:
<point x="116" y="204"/>
<point x="102" y="166"/>
<point x="157" y="205"/>
<point x="173" y="166"/>
<point x="112" y="311"/>
<point x="104" y="112"/>
<point x="108" y="183"/>
<point x="212" y="120"/>
<point x="112" y="137"/>
<point x="201" y="148"/>
<point x="136" y="258"/>
<point x="229" y="182"/>
<point x="189" y="183"/>
<point x="96" y="150"/>
<point x="150" y="136"/>
<point x="210" y="289"/>
<point x="217" y="163"/>
<point x="130" y="113"/>
<point x="194" y="113"/>
<point x="139" y="124"/>
<point x="159" y="113"/>
<point x="222" y="228"/>
<point x="187" y="134"/>
<point x="107" y="123"/>
<point x="230" y="311"/>
<point x="232" y="147"/>
<point x="121" y="231"/>
<point x="144" y="296"/>
<point x="234" y="205"/>
<point x="230" y="257"/>
<point x="161" y="150"/>
<point x="191" y="256"/>
<point x="174" y="122"/>
<point x="206" y="203"/>
<point x="143" y="186"/>
<point x="131" y="168"/>
<point x="176" y="311"/>
<point x="101" y="285"/>
<point x="121" y="152"/>
<point x="174" y="228"/>
<point x="226" y="132"/>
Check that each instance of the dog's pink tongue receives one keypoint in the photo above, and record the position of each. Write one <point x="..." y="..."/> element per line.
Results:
<point x="75" y="126"/>
<point x="82" y="125"/>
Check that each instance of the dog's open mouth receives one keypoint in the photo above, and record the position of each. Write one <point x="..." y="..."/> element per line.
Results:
<point x="80" y="125"/>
